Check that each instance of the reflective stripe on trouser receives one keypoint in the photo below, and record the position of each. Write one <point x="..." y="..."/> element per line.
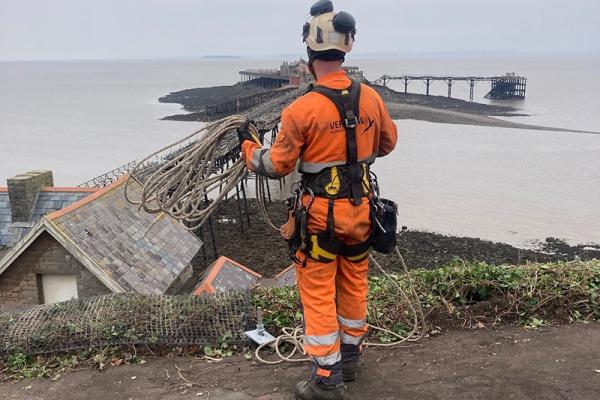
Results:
<point x="352" y="287"/>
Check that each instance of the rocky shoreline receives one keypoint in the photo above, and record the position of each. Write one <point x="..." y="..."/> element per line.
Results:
<point x="194" y="101"/>
<point x="436" y="109"/>
<point x="263" y="250"/>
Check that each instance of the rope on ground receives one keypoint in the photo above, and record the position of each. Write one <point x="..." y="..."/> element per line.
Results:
<point x="294" y="336"/>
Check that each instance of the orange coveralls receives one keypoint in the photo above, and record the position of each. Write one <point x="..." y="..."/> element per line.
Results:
<point x="334" y="294"/>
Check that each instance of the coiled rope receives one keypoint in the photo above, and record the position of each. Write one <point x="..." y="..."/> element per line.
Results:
<point x="182" y="186"/>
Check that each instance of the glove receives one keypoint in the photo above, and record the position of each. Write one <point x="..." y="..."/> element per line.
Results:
<point x="244" y="133"/>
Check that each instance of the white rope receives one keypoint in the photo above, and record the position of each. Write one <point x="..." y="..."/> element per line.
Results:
<point x="182" y="186"/>
<point x="294" y="336"/>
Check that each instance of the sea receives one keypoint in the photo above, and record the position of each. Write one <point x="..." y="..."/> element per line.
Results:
<point x="83" y="118"/>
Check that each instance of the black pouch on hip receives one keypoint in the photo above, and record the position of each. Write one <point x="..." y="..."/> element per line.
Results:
<point x="385" y="223"/>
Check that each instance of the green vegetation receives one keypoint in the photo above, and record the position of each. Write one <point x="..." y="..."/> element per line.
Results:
<point x="224" y="348"/>
<point x="19" y="366"/>
<point x="460" y="294"/>
<point x="125" y="320"/>
<point x="468" y="295"/>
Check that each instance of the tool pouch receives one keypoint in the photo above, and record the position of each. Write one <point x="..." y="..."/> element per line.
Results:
<point x="385" y="222"/>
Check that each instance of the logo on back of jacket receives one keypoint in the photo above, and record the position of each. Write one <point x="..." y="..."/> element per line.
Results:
<point x="338" y="126"/>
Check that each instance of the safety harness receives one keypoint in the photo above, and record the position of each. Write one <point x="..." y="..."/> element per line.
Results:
<point x="347" y="102"/>
<point x="345" y="181"/>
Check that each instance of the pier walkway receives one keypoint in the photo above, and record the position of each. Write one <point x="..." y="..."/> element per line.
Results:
<point x="507" y="87"/>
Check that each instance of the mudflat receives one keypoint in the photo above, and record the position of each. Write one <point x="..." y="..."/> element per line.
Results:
<point x="418" y="107"/>
<point x="561" y="362"/>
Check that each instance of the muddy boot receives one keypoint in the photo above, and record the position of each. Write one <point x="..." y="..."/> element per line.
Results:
<point x="350" y="356"/>
<point x="325" y="384"/>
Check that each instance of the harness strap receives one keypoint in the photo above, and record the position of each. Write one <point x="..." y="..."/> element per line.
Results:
<point x="326" y="246"/>
<point x="330" y="218"/>
<point x="347" y="103"/>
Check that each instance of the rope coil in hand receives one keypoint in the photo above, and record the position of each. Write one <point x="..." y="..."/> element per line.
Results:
<point x="180" y="187"/>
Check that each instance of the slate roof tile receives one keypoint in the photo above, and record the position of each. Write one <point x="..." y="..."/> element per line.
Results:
<point x="122" y="245"/>
<point x="48" y="202"/>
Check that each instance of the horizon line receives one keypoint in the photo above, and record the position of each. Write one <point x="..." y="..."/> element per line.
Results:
<point x="414" y="54"/>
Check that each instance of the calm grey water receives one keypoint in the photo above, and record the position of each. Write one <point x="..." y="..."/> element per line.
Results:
<point x="81" y="119"/>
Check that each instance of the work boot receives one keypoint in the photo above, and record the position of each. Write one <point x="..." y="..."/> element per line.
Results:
<point x="325" y="384"/>
<point x="350" y="356"/>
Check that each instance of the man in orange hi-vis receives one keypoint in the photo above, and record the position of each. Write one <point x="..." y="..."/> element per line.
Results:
<point x="336" y="130"/>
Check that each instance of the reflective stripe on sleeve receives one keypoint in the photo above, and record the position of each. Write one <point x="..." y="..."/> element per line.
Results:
<point x="261" y="163"/>
<point x="255" y="162"/>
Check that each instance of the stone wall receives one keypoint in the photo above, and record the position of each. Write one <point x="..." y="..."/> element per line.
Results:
<point x="19" y="283"/>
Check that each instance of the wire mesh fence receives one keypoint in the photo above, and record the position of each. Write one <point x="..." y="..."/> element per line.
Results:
<point x="126" y="319"/>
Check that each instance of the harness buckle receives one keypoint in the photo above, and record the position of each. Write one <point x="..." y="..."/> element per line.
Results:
<point x="351" y="123"/>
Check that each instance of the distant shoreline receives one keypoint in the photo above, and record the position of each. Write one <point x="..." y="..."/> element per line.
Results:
<point x="209" y="57"/>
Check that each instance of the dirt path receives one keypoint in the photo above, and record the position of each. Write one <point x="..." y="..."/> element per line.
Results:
<point x="552" y="363"/>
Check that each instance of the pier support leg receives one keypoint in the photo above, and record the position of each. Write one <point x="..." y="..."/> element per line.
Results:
<point x="472" y="92"/>
<point x="243" y="187"/>
<point x="449" y="88"/>
<point x="239" y="205"/>
<point x="428" y="83"/>
<point x="201" y="236"/>
<point x="211" y="230"/>
<point x="405" y="85"/>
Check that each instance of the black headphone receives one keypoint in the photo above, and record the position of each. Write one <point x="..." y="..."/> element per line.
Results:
<point x="343" y="22"/>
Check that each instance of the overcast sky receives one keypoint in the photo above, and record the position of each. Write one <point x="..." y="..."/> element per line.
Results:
<point x="97" y="29"/>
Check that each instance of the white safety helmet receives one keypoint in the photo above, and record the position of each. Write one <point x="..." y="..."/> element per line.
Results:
<point x="327" y="30"/>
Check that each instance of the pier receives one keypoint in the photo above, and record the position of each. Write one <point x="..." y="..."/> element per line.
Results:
<point x="289" y="73"/>
<point x="267" y="78"/>
<point x="507" y="87"/>
<point x="216" y="111"/>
